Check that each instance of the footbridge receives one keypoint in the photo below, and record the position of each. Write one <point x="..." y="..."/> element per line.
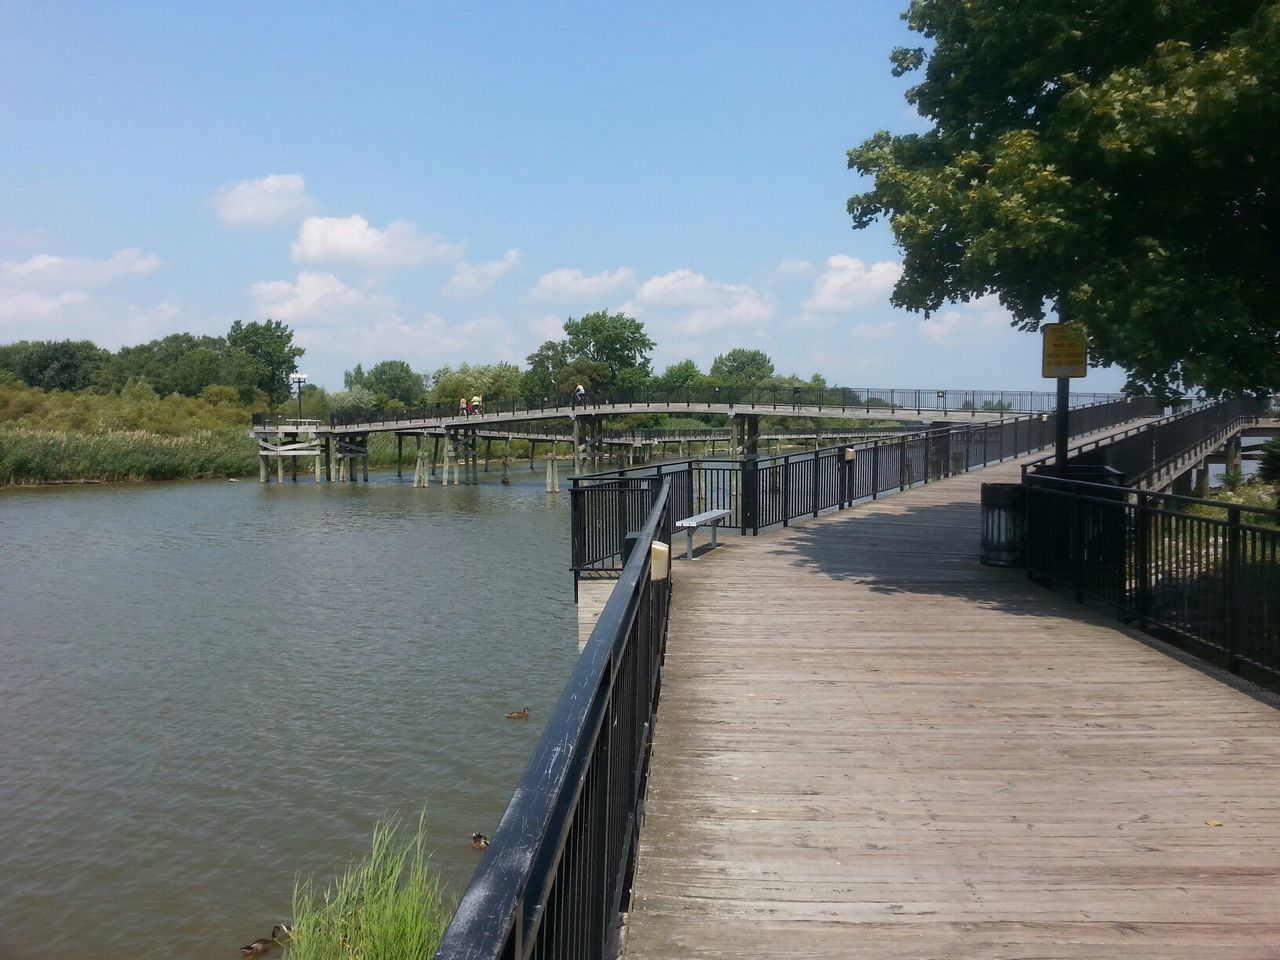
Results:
<point x="341" y="445"/>
<point x="846" y="736"/>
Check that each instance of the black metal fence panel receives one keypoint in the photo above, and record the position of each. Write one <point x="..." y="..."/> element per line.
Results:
<point x="554" y="879"/>
<point x="1200" y="572"/>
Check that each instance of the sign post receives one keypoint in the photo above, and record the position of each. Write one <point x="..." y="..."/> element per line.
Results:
<point x="1065" y="356"/>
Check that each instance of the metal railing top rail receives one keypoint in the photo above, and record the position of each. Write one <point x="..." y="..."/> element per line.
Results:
<point x="1109" y="492"/>
<point x="778" y="398"/>
<point x="1236" y="411"/>
<point x="909" y="434"/>
<point x="501" y="905"/>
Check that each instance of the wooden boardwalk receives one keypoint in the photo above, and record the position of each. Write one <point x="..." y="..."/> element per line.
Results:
<point x="869" y="745"/>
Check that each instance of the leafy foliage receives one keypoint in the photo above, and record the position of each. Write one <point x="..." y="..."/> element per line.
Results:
<point x="1115" y="161"/>
<point x="742" y="366"/>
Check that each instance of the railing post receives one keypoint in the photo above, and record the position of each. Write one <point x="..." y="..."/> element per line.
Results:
<point x="785" y="490"/>
<point x="1231" y="620"/>
<point x="1142" y="559"/>
<point x="749" y="492"/>
<point x="814" y="497"/>
<point x="875" y="470"/>
<point x="1077" y="542"/>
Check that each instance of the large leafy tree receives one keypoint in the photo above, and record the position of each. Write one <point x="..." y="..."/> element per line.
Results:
<point x="396" y="380"/>
<point x="53" y="365"/>
<point x="741" y="365"/>
<point x="615" y="342"/>
<point x="1115" y="161"/>
<point x="269" y="345"/>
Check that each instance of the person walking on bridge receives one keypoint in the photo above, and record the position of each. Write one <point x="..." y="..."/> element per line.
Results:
<point x="579" y="397"/>
<point x="462" y="407"/>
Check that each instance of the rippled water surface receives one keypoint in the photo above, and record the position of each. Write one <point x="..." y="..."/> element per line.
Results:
<point x="207" y="689"/>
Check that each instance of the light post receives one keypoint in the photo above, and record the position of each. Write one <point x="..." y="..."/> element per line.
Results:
<point x="298" y="379"/>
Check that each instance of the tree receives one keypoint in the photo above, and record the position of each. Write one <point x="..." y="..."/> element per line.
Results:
<point x="1116" y="162"/>
<point x="616" y="342"/>
<point x="546" y="364"/>
<point x="53" y="365"/>
<point x="1269" y="462"/>
<point x="742" y="366"/>
<point x="269" y="345"/>
<point x="682" y="374"/>
<point x="395" y="380"/>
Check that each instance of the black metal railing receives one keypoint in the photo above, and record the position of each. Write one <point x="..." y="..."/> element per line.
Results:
<point x="1199" y="572"/>
<point x="762" y="399"/>
<point x="771" y="491"/>
<point x="557" y="873"/>
<point x="1139" y="453"/>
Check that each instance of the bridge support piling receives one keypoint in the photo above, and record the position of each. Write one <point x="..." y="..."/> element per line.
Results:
<point x="280" y="469"/>
<point x="328" y="459"/>
<point x="399" y="456"/>
<point x="435" y="454"/>
<point x="264" y="475"/>
<point x="577" y="448"/>
<point x="1202" y="481"/>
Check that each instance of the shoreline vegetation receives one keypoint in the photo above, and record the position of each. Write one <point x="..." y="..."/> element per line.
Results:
<point x="388" y="904"/>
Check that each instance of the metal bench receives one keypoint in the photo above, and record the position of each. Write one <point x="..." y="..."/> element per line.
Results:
<point x="710" y="518"/>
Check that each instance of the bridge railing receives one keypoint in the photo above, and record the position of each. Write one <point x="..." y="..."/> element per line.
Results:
<point x="1201" y="573"/>
<point x="1141" y="452"/>
<point x="557" y="872"/>
<point x="776" y="399"/>
<point x="770" y="491"/>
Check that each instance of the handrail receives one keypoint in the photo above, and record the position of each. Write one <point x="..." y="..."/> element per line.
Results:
<point x="776" y="399"/>
<point x="1205" y="579"/>
<point x="557" y="869"/>
<point x="770" y="491"/>
<point x="1144" y="450"/>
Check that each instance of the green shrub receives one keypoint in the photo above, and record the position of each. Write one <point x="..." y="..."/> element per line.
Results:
<point x="389" y="905"/>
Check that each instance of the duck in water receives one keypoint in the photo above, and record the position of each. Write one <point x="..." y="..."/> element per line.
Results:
<point x="480" y="841"/>
<point x="519" y="714"/>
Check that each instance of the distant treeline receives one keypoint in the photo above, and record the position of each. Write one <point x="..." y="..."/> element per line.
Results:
<point x="254" y="363"/>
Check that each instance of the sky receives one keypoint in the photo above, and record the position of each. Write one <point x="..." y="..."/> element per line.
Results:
<point x="448" y="182"/>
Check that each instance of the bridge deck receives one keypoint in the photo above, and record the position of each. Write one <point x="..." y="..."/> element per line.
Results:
<point x="871" y="746"/>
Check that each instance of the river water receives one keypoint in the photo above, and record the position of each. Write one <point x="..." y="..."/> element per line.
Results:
<point x="210" y="689"/>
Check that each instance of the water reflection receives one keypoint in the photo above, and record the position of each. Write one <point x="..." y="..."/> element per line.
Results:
<point x="208" y="688"/>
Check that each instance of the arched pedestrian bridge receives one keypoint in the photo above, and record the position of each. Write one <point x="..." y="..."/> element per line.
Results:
<point x="344" y="438"/>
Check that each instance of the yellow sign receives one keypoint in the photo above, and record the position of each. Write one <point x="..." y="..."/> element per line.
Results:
<point x="1066" y="350"/>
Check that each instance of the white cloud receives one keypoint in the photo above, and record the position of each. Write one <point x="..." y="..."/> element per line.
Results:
<point x="979" y="318"/>
<point x="18" y="305"/>
<point x="847" y="283"/>
<point x="547" y="328"/>
<point x="792" y="269"/>
<point x="575" y="285"/>
<point x="314" y="296"/>
<point x="870" y="332"/>
<point x="47" y="270"/>
<point x="276" y="199"/>
<point x="473" y="279"/>
<point x="352" y="240"/>
<point x="710" y="305"/>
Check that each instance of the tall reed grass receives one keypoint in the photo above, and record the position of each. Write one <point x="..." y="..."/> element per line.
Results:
<point x="389" y="906"/>
<point x="53" y="456"/>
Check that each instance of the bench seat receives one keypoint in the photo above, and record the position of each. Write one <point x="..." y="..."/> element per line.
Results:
<point x="709" y="518"/>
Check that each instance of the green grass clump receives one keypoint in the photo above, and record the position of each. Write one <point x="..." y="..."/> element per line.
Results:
<point x="389" y="906"/>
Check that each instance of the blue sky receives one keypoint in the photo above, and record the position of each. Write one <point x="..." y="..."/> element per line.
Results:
<point x="446" y="182"/>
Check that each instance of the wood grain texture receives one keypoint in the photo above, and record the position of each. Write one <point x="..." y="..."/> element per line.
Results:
<point x="869" y="745"/>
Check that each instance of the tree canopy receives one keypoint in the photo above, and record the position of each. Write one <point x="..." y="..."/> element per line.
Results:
<point x="601" y="350"/>
<point x="1116" y="162"/>
<point x="741" y="365"/>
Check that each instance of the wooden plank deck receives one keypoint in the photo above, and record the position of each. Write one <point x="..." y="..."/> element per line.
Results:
<point x="869" y="745"/>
